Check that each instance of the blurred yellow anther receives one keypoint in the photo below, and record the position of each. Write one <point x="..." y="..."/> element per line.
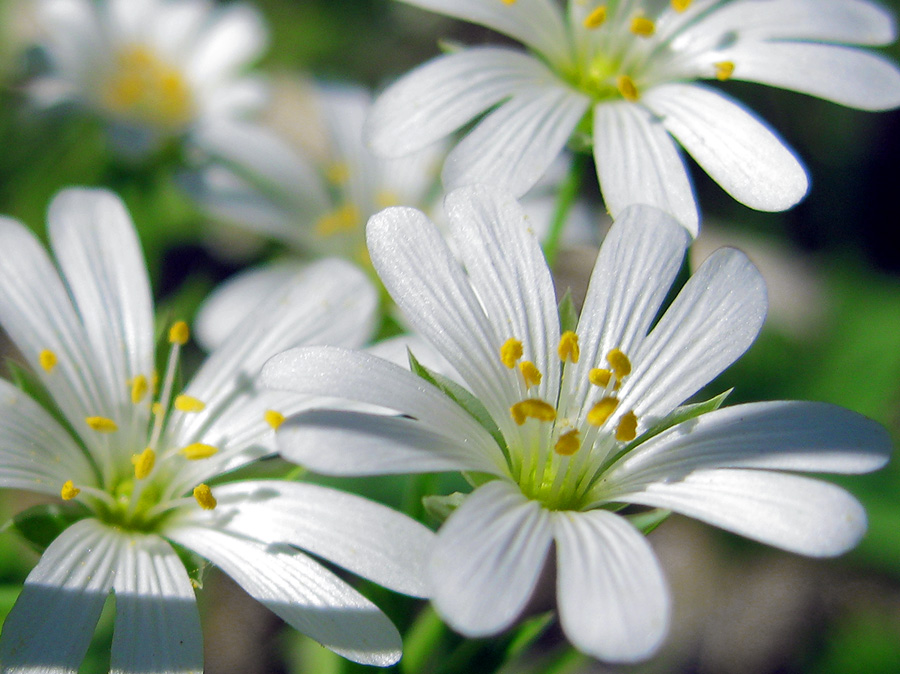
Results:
<point x="602" y="410"/>
<point x="530" y="373"/>
<point x="156" y="408"/>
<point x="596" y="18"/>
<point x="642" y="26"/>
<point x="101" y="424"/>
<point x="48" y="360"/>
<point x="204" y="496"/>
<point x="139" y="388"/>
<point x="599" y="376"/>
<point x="386" y="198"/>
<point x="568" y="347"/>
<point x="568" y="443"/>
<point x="627" y="428"/>
<point x="532" y="408"/>
<point x="186" y="403"/>
<point x="198" y="451"/>
<point x="627" y="88"/>
<point x="69" y="491"/>
<point x="143" y="463"/>
<point x="681" y="5"/>
<point x="619" y="363"/>
<point x="274" y="419"/>
<point x="338" y="173"/>
<point x="724" y="70"/>
<point x="343" y="219"/>
<point x="510" y="352"/>
<point x="508" y="2"/>
<point x="179" y="333"/>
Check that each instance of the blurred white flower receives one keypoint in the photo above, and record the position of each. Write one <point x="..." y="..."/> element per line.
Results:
<point x="561" y="426"/>
<point x="144" y="466"/>
<point x="153" y="69"/>
<point x="622" y="76"/>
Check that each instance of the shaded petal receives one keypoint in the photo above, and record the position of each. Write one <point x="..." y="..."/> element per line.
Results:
<point x="746" y="158"/>
<point x="157" y="625"/>
<point x="487" y="559"/>
<point x="235" y="35"/>
<point x="638" y="163"/>
<point x="365" y="537"/>
<point x="304" y="594"/>
<point x="613" y="599"/>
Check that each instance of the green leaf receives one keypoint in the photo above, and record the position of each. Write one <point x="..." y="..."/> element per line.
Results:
<point x="41" y="524"/>
<point x="568" y="314"/>
<point x="441" y="507"/>
<point x="528" y="633"/>
<point x="421" y="640"/>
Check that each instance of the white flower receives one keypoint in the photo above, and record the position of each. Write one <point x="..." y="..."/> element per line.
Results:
<point x="147" y="474"/>
<point x="153" y="69"/>
<point x="558" y="424"/>
<point x="622" y="75"/>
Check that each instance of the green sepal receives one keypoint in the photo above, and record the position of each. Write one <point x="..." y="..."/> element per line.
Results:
<point x="477" y="479"/>
<point x="647" y="521"/>
<point x="568" y="314"/>
<point x="41" y="524"/>
<point x="195" y="565"/>
<point x="441" y="507"/>
<point x="27" y="381"/>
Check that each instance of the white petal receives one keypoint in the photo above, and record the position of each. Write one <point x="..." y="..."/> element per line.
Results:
<point x="235" y="99"/>
<point x="487" y="559"/>
<point x="50" y="627"/>
<point x="235" y="36"/>
<point x="638" y="163"/>
<point x="735" y="147"/>
<point x="798" y="514"/>
<point x="714" y="319"/>
<point x="515" y="144"/>
<point x="365" y="537"/>
<point x="302" y="593"/>
<point x="438" y="97"/>
<point x="613" y="600"/>
<point x="157" y="625"/>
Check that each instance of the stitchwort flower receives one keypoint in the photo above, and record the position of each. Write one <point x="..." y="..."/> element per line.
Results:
<point x="623" y="76"/>
<point x="142" y="465"/>
<point x="560" y="425"/>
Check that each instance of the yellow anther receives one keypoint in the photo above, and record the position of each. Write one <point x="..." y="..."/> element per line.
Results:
<point x="101" y="424"/>
<point x="724" y="70"/>
<point x="386" y="198"/>
<point x="343" y="219"/>
<point x="508" y="2"/>
<point x="568" y="347"/>
<point x="186" y="403"/>
<point x="69" y="491"/>
<point x="642" y="26"/>
<point x="568" y="443"/>
<point x="599" y="376"/>
<point x="48" y="360"/>
<point x="530" y="373"/>
<point x="602" y="410"/>
<point x="274" y="419"/>
<point x="204" y="496"/>
<point x="619" y="363"/>
<point x="681" y="5"/>
<point x="139" y="388"/>
<point x="156" y="408"/>
<point x="510" y="352"/>
<point x="596" y="18"/>
<point x="338" y="173"/>
<point x="627" y="88"/>
<point x="627" y="428"/>
<point x="198" y="451"/>
<point x="532" y="408"/>
<point x="143" y="463"/>
<point x="179" y="333"/>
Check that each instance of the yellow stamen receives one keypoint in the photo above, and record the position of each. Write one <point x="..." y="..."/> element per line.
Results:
<point x="48" y="360"/>
<point x="343" y="219"/>
<point x="198" y="451"/>
<point x="642" y="26"/>
<point x="385" y="198"/>
<point x="596" y="18"/>
<point x="69" y="491"/>
<point x="568" y="347"/>
<point x="568" y="443"/>
<point x="101" y="424"/>
<point x="619" y="363"/>
<point x="510" y="352"/>
<point x="156" y="409"/>
<point x="530" y="373"/>
<point x="204" y="496"/>
<point x="338" y="173"/>
<point x="508" y="2"/>
<point x="627" y="88"/>
<point x="143" y="463"/>
<point x="724" y="70"/>
<point x="602" y="410"/>
<point x="274" y="419"/>
<point x="599" y="376"/>
<point x="627" y="428"/>
<point x="186" y="403"/>
<point x="139" y="388"/>
<point x="532" y="408"/>
<point x="681" y="5"/>
<point x="179" y="333"/>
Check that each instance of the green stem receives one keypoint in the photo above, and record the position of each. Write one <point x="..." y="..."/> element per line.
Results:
<point x="568" y="190"/>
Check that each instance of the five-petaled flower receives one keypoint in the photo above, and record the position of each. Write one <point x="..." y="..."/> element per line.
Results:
<point x="144" y="466"/>
<point x="563" y="425"/>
